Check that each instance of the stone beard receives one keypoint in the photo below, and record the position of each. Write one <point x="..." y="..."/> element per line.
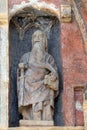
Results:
<point x="37" y="81"/>
<point x="37" y="53"/>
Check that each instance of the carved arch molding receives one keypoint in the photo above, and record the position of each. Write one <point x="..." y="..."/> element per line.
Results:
<point x="80" y="20"/>
<point x="29" y="18"/>
<point x="36" y="19"/>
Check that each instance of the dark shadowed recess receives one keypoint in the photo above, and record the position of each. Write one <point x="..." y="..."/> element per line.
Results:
<point x="19" y="46"/>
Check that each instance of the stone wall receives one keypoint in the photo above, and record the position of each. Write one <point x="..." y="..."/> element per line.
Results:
<point x="73" y="51"/>
<point x="44" y="128"/>
<point x="4" y="63"/>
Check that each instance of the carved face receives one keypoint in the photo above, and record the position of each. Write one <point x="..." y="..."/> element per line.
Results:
<point x="40" y="38"/>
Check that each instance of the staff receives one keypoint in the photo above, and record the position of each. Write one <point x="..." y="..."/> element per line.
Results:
<point x="21" y="85"/>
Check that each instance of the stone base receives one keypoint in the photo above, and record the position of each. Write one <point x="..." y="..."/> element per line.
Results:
<point x="44" y="128"/>
<point x="28" y="123"/>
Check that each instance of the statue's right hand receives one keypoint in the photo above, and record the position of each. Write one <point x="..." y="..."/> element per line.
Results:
<point x="21" y="65"/>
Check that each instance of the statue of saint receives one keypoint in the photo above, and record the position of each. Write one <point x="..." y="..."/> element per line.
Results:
<point x="37" y="81"/>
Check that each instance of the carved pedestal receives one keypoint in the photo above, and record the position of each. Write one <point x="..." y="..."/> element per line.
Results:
<point x="28" y="123"/>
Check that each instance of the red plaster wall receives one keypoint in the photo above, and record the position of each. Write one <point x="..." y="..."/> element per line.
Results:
<point x="74" y="62"/>
<point x="14" y="2"/>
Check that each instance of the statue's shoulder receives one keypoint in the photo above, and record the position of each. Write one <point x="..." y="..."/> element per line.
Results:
<point x="25" y="57"/>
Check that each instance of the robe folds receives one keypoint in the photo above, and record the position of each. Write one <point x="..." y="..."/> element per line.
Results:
<point x="31" y="87"/>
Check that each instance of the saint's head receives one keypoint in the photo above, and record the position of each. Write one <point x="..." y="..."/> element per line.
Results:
<point x="41" y="38"/>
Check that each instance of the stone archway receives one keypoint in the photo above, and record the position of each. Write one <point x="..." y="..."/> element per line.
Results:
<point x="43" y="6"/>
<point x="21" y="42"/>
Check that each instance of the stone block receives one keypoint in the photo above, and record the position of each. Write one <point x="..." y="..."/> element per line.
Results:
<point x="45" y="128"/>
<point x="28" y="123"/>
<point x="3" y="6"/>
<point x="65" y="13"/>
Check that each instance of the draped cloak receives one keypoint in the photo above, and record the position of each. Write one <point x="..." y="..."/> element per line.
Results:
<point x="34" y="90"/>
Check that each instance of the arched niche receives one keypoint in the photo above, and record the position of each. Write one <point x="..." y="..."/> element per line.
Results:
<point x="20" y="42"/>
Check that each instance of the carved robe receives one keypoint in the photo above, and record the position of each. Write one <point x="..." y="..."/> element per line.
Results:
<point x="34" y="90"/>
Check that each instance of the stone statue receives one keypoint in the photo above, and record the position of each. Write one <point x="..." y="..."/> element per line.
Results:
<point x="37" y="81"/>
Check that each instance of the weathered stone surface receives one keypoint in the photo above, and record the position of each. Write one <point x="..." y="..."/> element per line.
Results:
<point x="45" y="128"/>
<point x="83" y="10"/>
<point x="37" y="81"/>
<point x="4" y="76"/>
<point x="65" y="13"/>
<point x="44" y="6"/>
<point x="73" y="58"/>
<point x="3" y="6"/>
<point x="3" y="63"/>
<point x="24" y="46"/>
<point x="81" y="23"/>
<point x="3" y="12"/>
<point x="28" y="123"/>
<point x="14" y="2"/>
<point x="78" y="92"/>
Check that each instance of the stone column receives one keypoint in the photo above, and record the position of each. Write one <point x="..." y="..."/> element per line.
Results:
<point x="4" y="64"/>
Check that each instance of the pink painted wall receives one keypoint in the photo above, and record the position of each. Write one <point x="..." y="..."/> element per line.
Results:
<point x="74" y="61"/>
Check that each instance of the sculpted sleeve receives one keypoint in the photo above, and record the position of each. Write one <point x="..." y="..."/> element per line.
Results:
<point x="50" y="60"/>
<point x="52" y="84"/>
<point x="25" y="58"/>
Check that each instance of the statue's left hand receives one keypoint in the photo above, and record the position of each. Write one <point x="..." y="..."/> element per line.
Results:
<point x="23" y="66"/>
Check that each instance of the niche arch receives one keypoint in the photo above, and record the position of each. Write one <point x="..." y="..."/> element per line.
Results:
<point x="20" y="43"/>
